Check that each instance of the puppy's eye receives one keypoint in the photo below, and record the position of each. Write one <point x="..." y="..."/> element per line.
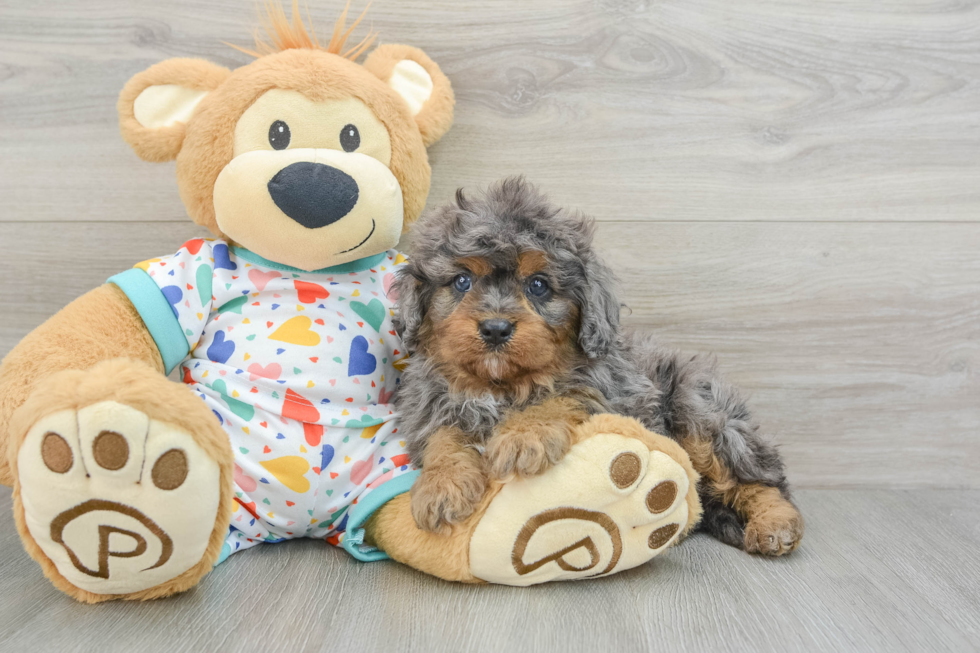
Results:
<point x="279" y="135"/>
<point x="538" y="287"/>
<point x="462" y="282"/>
<point x="350" y="138"/>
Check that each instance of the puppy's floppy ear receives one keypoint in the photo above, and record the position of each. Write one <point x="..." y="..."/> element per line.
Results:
<point x="600" y="309"/>
<point x="411" y="302"/>
<point x="156" y="104"/>
<point x="420" y="82"/>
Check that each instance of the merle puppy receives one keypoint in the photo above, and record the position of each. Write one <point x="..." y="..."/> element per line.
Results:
<point x="513" y="326"/>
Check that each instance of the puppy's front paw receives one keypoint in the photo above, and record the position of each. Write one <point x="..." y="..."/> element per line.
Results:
<point x="528" y="448"/>
<point x="443" y="496"/>
<point x="776" y="532"/>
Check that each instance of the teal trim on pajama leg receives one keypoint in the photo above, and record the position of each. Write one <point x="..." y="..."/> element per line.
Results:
<point x="354" y="538"/>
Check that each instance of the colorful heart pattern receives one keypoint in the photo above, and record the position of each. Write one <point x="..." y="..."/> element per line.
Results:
<point x="271" y="371"/>
<point x="261" y="279"/>
<point x="203" y="277"/>
<point x="220" y="350"/>
<point x="222" y="259"/>
<point x="360" y="469"/>
<point x="389" y="281"/>
<point x="290" y="471"/>
<point x="373" y="312"/>
<point x="173" y="295"/>
<point x="309" y="293"/>
<point x="296" y="331"/>
<point x="361" y="361"/>
<point x="299" y="408"/>
<point x="299" y="370"/>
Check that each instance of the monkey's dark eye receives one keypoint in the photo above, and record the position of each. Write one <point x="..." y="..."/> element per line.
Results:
<point x="538" y="287"/>
<point x="350" y="138"/>
<point x="462" y="282"/>
<point x="279" y="135"/>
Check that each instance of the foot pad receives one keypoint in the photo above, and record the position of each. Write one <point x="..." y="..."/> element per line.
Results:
<point x="118" y="502"/>
<point x="610" y="505"/>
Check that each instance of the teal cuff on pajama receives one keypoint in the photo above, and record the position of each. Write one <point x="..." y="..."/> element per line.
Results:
<point x="354" y="538"/>
<point x="157" y="314"/>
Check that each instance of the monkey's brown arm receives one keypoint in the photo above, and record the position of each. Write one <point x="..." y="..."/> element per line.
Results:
<point x="99" y="325"/>
<point x="451" y="488"/>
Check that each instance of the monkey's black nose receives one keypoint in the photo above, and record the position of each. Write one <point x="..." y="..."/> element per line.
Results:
<point x="496" y="332"/>
<point x="313" y="194"/>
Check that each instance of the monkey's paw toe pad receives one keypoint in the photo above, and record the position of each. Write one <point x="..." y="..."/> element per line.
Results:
<point x="118" y="502"/>
<point x="609" y="505"/>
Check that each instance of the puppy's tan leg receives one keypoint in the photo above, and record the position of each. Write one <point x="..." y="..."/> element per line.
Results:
<point x="530" y="441"/>
<point x="773" y="525"/>
<point x="451" y="484"/>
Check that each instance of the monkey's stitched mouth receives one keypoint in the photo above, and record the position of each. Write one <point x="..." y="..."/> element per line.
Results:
<point x="373" y="226"/>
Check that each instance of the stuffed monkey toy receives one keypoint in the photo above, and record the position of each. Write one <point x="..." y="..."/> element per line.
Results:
<point x="306" y="166"/>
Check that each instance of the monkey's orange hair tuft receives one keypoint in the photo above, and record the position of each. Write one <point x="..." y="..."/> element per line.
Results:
<point x="286" y="34"/>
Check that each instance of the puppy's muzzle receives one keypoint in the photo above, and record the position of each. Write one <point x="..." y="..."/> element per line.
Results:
<point x="496" y="332"/>
<point x="313" y="194"/>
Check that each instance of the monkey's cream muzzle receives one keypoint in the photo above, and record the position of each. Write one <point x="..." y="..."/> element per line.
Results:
<point x="309" y="185"/>
<point x="309" y="208"/>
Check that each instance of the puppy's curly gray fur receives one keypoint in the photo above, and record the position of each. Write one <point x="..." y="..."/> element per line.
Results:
<point x="675" y="394"/>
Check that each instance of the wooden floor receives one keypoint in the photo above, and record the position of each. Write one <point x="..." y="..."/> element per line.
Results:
<point x="793" y="184"/>
<point x="879" y="571"/>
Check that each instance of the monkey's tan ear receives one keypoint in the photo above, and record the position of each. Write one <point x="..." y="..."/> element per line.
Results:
<point x="418" y="80"/>
<point x="156" y="104"/>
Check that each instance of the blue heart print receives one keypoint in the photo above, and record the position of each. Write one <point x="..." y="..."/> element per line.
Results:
<point x="220" y="350"/>
<point x="173" y="294"/>
<point x="361" y="362"/>
<point x="326" y="455"/>
<point x="342" y="527"/>
<point x="221" y="259"/>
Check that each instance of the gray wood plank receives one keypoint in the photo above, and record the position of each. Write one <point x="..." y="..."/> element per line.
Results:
<point x="859" y="344"/>
<point x="878" y="571"/>
<point x="676" y="110"/>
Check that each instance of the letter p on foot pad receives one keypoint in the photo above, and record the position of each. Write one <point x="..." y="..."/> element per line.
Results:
<point x="610" y="505"/>
<point x="118" y="502"/>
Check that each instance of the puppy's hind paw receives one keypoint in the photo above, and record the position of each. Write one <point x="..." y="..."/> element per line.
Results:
<point x="775" y="533"/>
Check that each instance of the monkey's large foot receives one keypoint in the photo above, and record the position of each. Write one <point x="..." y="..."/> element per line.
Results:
<point x="115" y="503"/>
<point x="621" y="496"/>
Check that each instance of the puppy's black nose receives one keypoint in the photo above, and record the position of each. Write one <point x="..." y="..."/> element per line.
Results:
<point x="497" y="331"/>
<point x="313" y="194"/>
